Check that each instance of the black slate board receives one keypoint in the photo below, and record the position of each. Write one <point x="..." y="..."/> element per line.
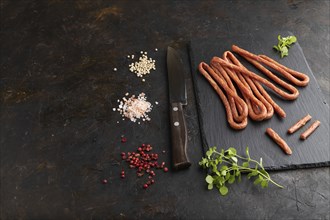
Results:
<point x="313" y="152"/>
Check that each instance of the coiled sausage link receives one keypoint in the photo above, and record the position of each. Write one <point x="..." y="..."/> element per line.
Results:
<point x="270" y="104"/>
<point x="294" y="92"/>
<point x="289" y="74"/>
<point x="257" y="109"/>
<point x="260" y="79"/>
<point x="247" y="94"/>
<point x="252" y="85"/>
<point x="235" y="107"/>
<point x="276" y="107"/>
<point x="206" y="71"/>
<point x="304" y="78"/>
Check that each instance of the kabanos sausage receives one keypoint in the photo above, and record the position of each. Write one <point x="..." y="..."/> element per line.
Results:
<point x="246" y="92"/>
<point x="310" y="130"/>
<point x="257" y="90"/>
<point x="279" y="141"/>
<point x="260" y="79"/>
<point x="204" y="69"/>
<point x="299" y="124"/>
<point x="293" y="76"/>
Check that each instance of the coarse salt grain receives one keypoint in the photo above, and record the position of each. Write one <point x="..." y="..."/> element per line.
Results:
<point x="143" y="66"/>
<point x="135" y="108"/>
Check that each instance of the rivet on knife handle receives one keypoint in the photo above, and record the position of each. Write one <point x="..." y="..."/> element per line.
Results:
<point x="179" y="137"/>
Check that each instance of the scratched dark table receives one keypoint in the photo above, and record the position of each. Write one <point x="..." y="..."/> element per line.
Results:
<point x="60" y="137"/>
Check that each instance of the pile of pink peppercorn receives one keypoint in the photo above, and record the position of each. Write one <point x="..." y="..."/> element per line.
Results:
<point x="145" y="163"/>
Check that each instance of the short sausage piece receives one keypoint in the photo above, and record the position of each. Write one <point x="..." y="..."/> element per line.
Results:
<point x="299" y="124"/>
<point x="310" y="130"/>
<point x="279" y="141"/>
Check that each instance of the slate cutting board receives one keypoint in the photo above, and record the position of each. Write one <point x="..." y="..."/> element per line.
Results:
<point x="313" y="152"/>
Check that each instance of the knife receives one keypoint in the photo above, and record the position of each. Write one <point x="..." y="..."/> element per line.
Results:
<point x="177" y="98"/>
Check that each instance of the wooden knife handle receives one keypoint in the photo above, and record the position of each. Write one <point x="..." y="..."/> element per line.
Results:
<point x="179" y="137"/>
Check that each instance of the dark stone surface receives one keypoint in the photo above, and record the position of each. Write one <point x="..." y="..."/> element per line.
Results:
<point x="215" y="129"/>
<point x="59" y="136"/>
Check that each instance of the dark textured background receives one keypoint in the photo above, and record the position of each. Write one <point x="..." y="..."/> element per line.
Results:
<point x="59" y="136"/>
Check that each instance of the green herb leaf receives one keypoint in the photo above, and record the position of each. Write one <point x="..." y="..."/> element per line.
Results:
<point x="254" y="172"/>
<point x="231" y="179"/>
<point x="203" y="162"/>
<point x="284" y="51"/>
<point x="257" y="181"/>
<point x="264" y="184"/>
<point x="223" y="190"/>
<point x="231" y="151"/>
<point x="208" y="154"/>
<point x="235" y="167"/>
<point x="221" y="180"/>
<point x="284" y="44"/>
<point x="209" y="179"/>
<point x="219" y="159"/>
<point x="227" y="176"/>
<point x="210" y="186"/>
<point x="245" y="164"/>
<point x="224" y="168"/>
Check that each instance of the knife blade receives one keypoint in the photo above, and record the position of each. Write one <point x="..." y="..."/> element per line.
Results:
<point x="177" y="98"/>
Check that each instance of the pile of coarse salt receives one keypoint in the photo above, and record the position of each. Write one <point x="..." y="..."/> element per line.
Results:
<point x="143" y="66"/>
<point x="135" y="108"/>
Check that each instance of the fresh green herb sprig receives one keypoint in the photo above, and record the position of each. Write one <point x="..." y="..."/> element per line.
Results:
<point x="226" y="167"/>
<point x="284" y="44"/>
